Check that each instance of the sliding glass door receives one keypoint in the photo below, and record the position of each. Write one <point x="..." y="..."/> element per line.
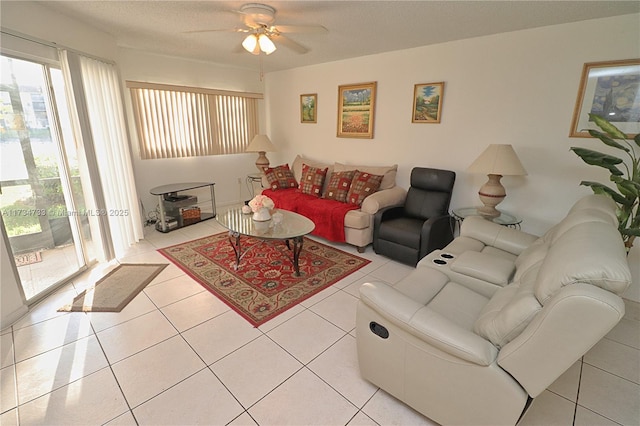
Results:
<point x="42" y="193"/>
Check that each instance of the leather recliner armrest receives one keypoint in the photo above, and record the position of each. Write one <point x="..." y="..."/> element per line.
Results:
<point x="427" y="325"/>
<point x="485" y="267"/>
<point x="492" y="234"/>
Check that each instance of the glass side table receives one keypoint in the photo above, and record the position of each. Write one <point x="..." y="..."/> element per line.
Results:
<point x="252" y="179"/>
<point x="506" y="219"/>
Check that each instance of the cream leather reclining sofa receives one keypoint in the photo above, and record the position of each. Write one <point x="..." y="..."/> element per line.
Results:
<point x="489" y="322"/>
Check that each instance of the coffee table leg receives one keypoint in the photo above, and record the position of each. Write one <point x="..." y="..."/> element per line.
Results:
<point x="297" y="248"/>
<point x="234" y="239"/>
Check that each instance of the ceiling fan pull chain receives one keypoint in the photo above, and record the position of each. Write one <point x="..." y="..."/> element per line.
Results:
<point x="261" y="69"/>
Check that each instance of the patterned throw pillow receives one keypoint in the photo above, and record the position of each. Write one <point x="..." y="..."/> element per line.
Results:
<point x="280" y="177"/>
<point x="339" y="185"/>
<point x="312" y="180"/>
<point x="362" y="185"/>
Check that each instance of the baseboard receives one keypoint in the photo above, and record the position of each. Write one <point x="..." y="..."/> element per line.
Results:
<point x="14" y="316"/>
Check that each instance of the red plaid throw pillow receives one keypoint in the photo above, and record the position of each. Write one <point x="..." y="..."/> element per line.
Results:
<point x="280" y="177"/>
<point x="312" y="180"/>
<point x="339" y="185"/>
<point x="362" y="185"/>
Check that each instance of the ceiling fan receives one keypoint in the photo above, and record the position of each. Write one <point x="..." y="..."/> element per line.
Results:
<point x="258" y="20"/>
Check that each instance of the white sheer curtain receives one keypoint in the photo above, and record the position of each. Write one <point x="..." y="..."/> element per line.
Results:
<point x="111" y="142"/>
<point x="98" y="100"/>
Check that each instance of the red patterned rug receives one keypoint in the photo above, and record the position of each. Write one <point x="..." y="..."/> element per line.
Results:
<point x="265" y="284"/>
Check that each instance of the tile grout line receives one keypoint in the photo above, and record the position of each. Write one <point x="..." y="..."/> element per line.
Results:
<point x="115" y="377"/>
<point x="15" y="381"/>
<point x="575" y="407"/>
<point x="623" y="343"/>
<point x="612" y="374"/>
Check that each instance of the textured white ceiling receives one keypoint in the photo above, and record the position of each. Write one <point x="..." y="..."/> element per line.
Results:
<point x="355" y="28"/>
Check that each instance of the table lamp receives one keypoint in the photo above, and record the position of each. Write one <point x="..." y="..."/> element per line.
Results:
<point x="261" y="144"/>
<point x="496" y="161"/>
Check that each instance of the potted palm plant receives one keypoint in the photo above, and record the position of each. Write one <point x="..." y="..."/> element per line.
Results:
<point x="624" y="173"/>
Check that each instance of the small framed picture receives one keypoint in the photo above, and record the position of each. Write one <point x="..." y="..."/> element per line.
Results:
<point x="308" y="108"/>
<point x="356" y="109"/>
<point x="427" y="102"/>
<point x="611" y="90"/>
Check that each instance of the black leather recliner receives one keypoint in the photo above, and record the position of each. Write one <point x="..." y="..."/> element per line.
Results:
<point x="408" y="233"/>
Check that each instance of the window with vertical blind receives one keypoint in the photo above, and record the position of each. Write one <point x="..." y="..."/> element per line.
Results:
<point x="179" y="121"/>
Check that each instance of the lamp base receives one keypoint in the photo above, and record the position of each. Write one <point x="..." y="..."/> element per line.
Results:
<point x="491" y="194"/>
<point x="262" y="162"/>
<point x="488" y="212"/>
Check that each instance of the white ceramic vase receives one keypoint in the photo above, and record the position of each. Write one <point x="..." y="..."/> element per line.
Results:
<point x="262" y="215"/>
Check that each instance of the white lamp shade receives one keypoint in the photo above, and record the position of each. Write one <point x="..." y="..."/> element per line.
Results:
<point x="266" y="45"/>
<point x="260" y="143"/>
<point x="498" y="159"/>
<point x="250" y="44"/>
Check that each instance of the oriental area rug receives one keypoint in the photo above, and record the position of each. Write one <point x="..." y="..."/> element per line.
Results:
<point x="265" y="284"/>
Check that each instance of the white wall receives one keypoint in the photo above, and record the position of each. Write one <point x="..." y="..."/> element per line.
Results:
<point x="40" y="22"/>
<point x="224" y="170"/>
<point x="517" y="88"/>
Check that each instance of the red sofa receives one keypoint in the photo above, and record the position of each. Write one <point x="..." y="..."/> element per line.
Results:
<point x="337" y="221"/>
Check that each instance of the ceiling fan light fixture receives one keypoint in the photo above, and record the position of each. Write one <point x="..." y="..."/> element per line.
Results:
<point x="266" y="45"/>
<point x="250" y="44"/>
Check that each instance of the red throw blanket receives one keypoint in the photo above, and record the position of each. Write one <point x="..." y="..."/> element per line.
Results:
<point x="327" y="215"/>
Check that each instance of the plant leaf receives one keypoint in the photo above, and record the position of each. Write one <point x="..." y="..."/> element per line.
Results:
<point x="637" y="139"/>
<point x="609" y="128"/>
<point x="631" y="231"/>
<point x="599" y="188"/>
<point x="626" y="187"/>
<point x="623" y="215"/>
<point x="607" y="140"/>
<point x="596" y="158"/>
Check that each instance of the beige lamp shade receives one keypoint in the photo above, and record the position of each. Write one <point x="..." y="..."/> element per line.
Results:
<point x="496" y="161"/>
<point x="261" y="144"/>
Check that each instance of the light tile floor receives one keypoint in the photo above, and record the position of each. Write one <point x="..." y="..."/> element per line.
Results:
<point x="177" y="355"/>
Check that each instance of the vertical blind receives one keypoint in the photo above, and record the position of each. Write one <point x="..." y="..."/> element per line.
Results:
<point x="179" y="121"/>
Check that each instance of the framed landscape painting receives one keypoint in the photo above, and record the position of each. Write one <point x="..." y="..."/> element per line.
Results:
<point x="427" y="102"/>
<point x="356" y="109"/>
<point x="611" y="90"/>
<point x="308" y="108"/>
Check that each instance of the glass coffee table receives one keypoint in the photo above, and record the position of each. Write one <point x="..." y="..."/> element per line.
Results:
<point x="291" y="229"/>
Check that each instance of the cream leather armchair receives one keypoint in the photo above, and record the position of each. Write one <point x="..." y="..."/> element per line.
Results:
<point x="471" y="342"/>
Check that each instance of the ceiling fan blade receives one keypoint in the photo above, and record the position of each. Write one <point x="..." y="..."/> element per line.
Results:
<point x="239" y="49"/>
<point x="299" y="29"/>
<point x="287" y="42"/>
<point x="224" y="30"/>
